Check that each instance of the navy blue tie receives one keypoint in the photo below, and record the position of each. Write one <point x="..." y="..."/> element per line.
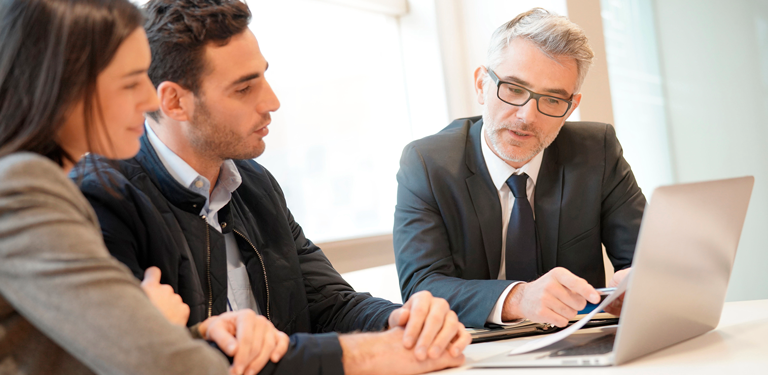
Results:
<point x="520" y="249"/>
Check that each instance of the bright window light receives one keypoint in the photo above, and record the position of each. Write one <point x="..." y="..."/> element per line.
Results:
<point x="336" y="141"/>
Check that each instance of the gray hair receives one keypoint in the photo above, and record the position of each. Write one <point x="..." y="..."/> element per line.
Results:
<point x="554" y="35"/>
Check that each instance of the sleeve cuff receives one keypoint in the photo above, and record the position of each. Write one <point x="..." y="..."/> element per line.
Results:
<point x="194" y="331"/>
<point x="318" y="353"/>
<point x="495" y="315"/>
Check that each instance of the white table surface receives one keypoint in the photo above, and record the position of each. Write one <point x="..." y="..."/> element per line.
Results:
<point x="739" y="345"/>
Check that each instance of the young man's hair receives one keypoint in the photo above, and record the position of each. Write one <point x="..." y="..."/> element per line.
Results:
<point x="554" y="36"/>
<point x="178" y="32"/>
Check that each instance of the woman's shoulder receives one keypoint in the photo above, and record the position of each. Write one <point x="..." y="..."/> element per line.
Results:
<point x="27" y="176"/>
<point x="28" y="166"/>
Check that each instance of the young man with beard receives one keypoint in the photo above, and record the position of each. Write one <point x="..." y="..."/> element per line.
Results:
<point x="215" y="222"/>
<point x="504" y="215"/>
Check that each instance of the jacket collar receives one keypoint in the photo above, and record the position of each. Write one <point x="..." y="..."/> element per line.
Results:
<point x="485" y="199"/>
<point x="548" y="199"/>
<point x="171" y="189"/>
<point x="475" y="160"/>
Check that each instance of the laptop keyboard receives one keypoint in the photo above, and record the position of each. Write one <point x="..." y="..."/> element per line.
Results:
<point x="600" y="345"/>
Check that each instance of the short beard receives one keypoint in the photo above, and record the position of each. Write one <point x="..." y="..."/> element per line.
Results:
<point x="216" y="141"/>
<point x="494" y="131"/>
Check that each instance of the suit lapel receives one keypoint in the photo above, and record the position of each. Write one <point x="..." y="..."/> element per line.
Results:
<point x="485" y="199"/>
<point x="548" y="197"/>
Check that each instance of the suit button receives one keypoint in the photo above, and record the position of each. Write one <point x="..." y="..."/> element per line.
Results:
<point x="223" y="225"/>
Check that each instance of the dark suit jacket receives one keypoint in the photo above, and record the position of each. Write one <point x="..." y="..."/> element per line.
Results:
<point x="447" y="232"/>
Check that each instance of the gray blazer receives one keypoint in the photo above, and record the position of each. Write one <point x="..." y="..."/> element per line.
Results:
<point x="67" y="306"/>
<point x="447" y="232"/>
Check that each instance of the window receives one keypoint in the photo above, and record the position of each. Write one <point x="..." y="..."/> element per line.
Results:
<point x="335" y="143"/>
<point x="636" y="90"/>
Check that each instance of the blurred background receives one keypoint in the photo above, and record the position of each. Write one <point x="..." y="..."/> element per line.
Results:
<point x="685" y="82"/>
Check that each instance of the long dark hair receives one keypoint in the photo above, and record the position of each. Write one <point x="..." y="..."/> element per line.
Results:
<point x="51" y="52"/>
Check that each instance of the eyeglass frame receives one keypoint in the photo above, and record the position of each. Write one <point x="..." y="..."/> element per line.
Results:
<point x="531" y="95"/>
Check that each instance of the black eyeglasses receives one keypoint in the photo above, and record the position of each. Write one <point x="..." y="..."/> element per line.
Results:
<point x="518" y="96"/>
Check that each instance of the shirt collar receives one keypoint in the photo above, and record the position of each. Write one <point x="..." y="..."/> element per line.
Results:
<point x="229" y="177"/>
<point x="500" y="170"/>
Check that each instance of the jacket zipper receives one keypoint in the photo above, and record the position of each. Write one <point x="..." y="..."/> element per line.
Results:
<point x="208" y="266"/>
<point x="264" y="269"/>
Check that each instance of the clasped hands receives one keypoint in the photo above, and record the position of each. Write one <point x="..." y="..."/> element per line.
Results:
<point x="556" y="297"/>
<point x="424" y="335"/>
<point x="430" y="334"/>
<point x="249" y="338"/>
<point x="431" y="328"/>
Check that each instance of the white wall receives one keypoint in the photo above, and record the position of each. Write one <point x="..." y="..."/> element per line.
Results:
<point x="714" y="60"/>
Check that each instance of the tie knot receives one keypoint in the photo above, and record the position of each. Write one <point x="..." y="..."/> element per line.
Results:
<point x="517" y="183"/>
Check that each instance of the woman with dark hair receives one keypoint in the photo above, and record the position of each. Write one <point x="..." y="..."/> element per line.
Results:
<point x="73" y="80"/>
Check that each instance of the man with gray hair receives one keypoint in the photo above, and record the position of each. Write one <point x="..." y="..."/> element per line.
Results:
<point x="504" y="215"/>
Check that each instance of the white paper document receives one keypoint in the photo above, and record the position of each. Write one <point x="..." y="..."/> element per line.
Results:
<point x="553" y="338"/>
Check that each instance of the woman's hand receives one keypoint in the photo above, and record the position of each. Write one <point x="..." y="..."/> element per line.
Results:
<point x="164" y="298"/>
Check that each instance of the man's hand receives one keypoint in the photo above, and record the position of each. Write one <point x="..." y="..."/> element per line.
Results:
<point x="615" y="306"/>
<point x="164" y="298"/>
<point x="384" y="353"/>
<point x="554" y="298"/>
<point x="430" y="320"/>
<point x="248" y="337"/>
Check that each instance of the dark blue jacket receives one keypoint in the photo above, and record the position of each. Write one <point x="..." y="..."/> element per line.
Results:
<point x="154" y="221"/>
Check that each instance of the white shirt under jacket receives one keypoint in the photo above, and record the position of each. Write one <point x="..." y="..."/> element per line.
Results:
<point x="239" y="292"/>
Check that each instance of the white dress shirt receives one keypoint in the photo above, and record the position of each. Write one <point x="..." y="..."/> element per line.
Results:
<point x="239" y="292"/>
<point x="500" y="172"/>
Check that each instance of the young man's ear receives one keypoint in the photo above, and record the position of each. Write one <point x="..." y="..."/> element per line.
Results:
<point x="176" y="102"/>
<point x="480" y="74"/>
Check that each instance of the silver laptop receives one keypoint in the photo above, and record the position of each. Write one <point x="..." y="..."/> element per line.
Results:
<point x="680" y="272"/>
